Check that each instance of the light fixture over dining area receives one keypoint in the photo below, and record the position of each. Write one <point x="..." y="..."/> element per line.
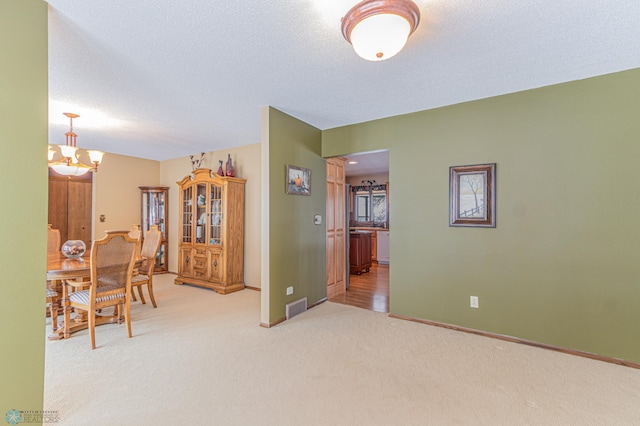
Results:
<point x="379" y="29"/>
<point x="69" y="165"/>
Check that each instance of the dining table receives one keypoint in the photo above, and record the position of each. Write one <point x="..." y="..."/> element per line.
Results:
<point x="62" y="272"/>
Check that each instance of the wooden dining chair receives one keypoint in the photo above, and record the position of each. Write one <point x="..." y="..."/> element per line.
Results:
<point x="135" y="232"/>
<point x="150" y="247"/>
<point x="53" y="287"/>
<point x="112" y="261"/>
<point x="53" y="239"/>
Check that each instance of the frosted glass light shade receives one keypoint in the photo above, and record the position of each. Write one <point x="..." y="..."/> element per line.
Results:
<point x="96" y="156"/>
<point x="380" y="37"/>
<point x="68" y="151"/>
<point x="379" y="29"/>
<point x="72" y="169"/>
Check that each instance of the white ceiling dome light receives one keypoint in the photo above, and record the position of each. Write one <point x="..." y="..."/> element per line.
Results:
<point x="379" y="29"/>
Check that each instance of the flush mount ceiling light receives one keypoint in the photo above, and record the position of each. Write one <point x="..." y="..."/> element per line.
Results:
<point x="378" y="29"/>
<point x="69" y="164"/>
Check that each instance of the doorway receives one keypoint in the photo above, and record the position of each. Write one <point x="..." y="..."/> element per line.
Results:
<point x="368" y="289"/>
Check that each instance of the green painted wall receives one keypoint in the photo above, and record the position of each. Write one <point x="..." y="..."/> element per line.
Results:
<point x="23" y="209"/>
<point x="562" y="267"/>
<point x="296" y="245"/>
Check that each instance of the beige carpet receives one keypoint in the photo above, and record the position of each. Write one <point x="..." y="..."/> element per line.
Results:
<point x="202" y="359"/>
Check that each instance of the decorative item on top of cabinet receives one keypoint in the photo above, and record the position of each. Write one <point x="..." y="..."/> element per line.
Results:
<point x="211" y="231"/>
<point x="196" y="162"/>
<point x="155" y="202"/>
<point x="231" y="172"/>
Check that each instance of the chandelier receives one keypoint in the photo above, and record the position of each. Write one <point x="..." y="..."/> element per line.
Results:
<point x="379" y="29"/>
<point x="69" y="165"/>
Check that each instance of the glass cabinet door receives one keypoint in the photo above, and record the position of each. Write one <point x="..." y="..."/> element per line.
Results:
<point x="187" y="214"/>
<point x="201" y="212"/>
<point x="215" y="228"/>
<point x="155" y="200"/>
<point x="153" y="211"/>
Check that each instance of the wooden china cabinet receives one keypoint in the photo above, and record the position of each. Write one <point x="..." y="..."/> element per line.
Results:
<point x="211" y="231"/>
<point x="155" y="202"/>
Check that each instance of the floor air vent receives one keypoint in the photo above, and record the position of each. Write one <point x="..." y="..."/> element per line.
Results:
<point x="297" y="307"/>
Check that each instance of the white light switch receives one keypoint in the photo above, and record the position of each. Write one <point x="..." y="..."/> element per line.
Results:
<point x="474" y="302"/>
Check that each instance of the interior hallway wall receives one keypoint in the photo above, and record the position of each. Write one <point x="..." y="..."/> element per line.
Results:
<point x="561" y="267"/>
<point x="23" y="210"/>
<point x="294" y="245"/>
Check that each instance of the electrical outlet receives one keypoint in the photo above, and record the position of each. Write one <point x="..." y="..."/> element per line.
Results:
<point x="474" y="302"/>
<point x="289" y="290"/>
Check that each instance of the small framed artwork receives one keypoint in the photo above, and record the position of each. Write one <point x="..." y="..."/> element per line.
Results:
<point x="298" y="180"/>
<point x="472" y="196"/>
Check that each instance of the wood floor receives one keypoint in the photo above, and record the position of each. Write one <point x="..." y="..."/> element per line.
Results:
<point x="370" y="290"/>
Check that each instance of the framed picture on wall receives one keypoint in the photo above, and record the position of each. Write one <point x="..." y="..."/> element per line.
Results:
<point x="298" y="181"/>
<point x="472" y="196"/>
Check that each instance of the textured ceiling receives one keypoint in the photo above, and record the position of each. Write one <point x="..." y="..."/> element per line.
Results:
<point x="365" y="164"/>
<point x="163" y="79"/>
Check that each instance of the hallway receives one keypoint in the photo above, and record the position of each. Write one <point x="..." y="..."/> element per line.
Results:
<point x="369" y="290"/>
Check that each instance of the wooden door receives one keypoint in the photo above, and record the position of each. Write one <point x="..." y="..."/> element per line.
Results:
<point x="185" y="261"/>
<point x="331" y="237"/>
<point x="70" y="207"/>
<point x="339" y="226"/>
<point x="79" y="211"/>
<point x="336" y="218"/>
<point x="215" y="265"/>
<point x="58" y="206"/>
